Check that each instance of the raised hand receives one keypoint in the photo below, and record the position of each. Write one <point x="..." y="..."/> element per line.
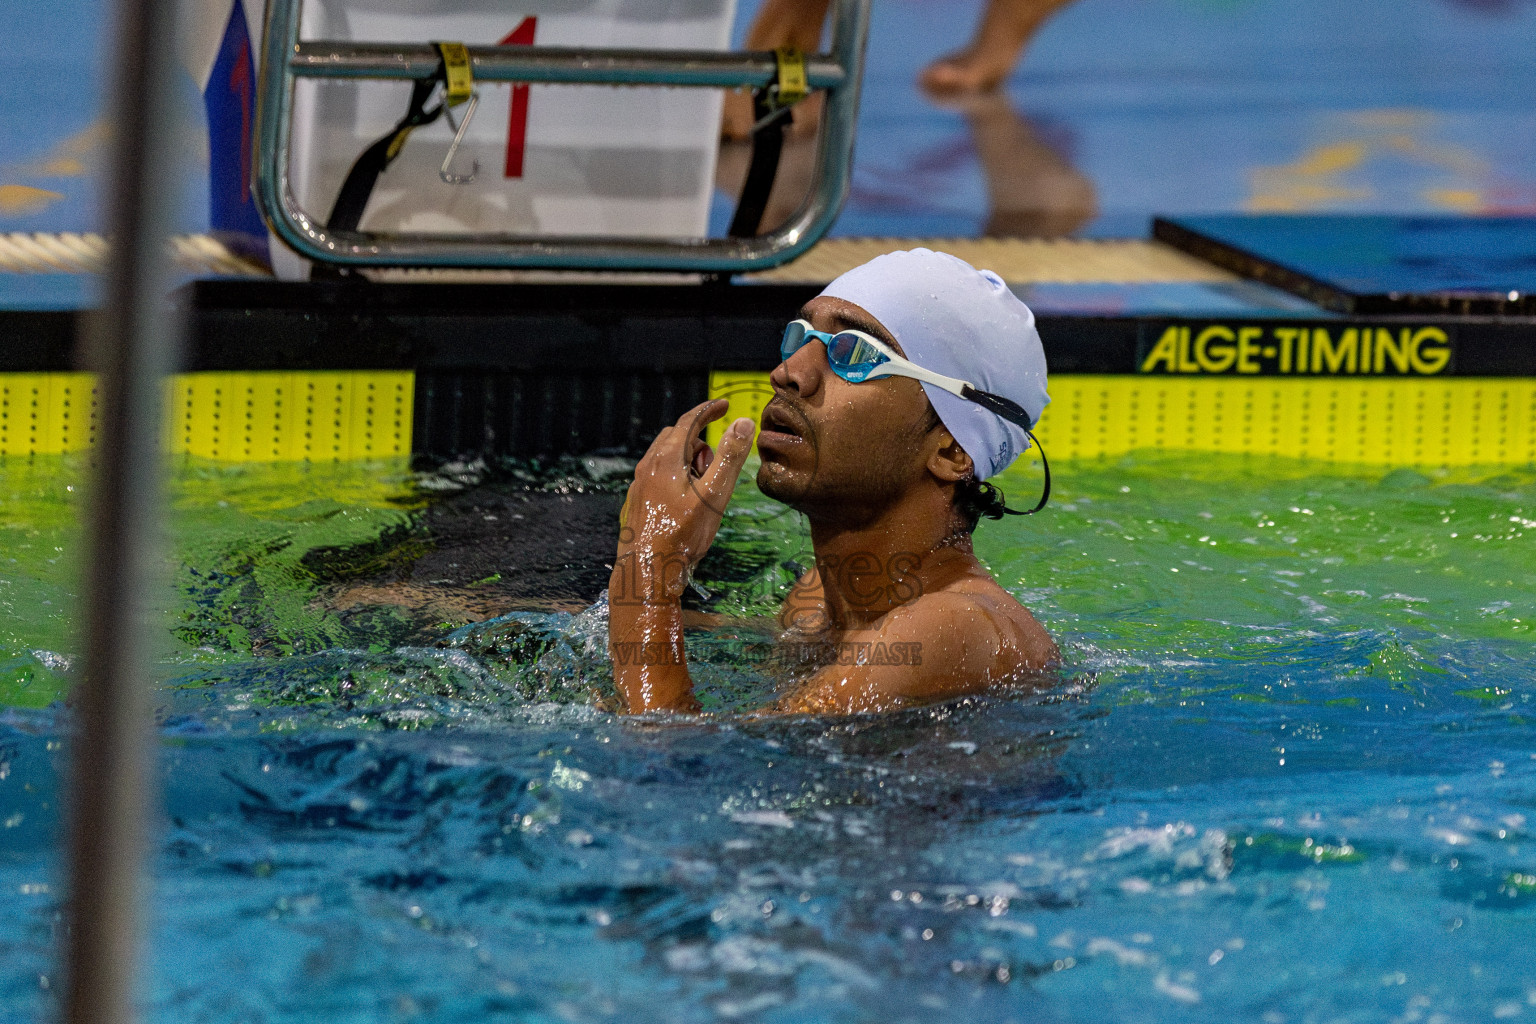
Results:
<point x="680" y="492"/>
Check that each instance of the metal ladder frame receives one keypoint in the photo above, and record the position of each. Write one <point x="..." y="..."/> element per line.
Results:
<point x="286" y="59"/>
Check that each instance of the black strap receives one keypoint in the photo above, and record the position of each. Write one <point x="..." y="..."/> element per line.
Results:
<point x="1045" y="495"/>
<point x="1014" y="413"/>
<point x="352" y="200"/>
<point x="997" y="405"/>
<point x="767" y="147"/>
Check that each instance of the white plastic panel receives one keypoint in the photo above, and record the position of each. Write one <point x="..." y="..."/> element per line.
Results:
<point x="596" y="160"/>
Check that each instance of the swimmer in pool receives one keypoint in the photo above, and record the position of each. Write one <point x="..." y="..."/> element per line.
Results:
<point x="868" y="436"/>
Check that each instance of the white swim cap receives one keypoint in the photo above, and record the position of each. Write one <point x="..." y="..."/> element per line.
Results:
<point x="962" y="322"/>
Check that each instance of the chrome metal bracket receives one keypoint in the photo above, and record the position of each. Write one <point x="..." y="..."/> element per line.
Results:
<point x="286" y="59"/>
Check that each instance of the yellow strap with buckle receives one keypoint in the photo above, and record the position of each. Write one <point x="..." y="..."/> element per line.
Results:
<point x="792" y="84"/>
<point x="459" y="78"/>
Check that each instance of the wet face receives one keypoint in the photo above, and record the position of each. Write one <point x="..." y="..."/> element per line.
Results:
<point x="837" y="449"/>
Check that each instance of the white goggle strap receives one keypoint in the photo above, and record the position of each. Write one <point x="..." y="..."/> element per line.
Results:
<point x="901" y="367"/>
<point x="997" y="405"/>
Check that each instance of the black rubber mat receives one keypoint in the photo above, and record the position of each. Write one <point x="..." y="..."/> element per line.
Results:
<point x="1374" y="264"/>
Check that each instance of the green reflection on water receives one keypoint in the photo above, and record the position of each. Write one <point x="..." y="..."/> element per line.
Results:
<point x="236" y="543"/>
<point x="1171" y="556"/>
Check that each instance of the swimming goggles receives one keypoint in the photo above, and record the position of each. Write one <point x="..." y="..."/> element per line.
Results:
<point x="857" y="357"/>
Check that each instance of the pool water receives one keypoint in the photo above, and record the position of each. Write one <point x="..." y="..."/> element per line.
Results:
<point x="1289" y="773"/>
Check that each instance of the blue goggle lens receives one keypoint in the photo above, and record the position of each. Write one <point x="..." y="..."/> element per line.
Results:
<point x="794" y="340"/>
<point x="850" y="356"/>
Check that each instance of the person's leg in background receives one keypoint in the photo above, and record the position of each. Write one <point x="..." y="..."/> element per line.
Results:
<point x="778" y="23"/>
<point x="1005" y="29"/>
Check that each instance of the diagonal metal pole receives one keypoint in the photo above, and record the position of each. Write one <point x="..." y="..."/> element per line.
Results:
<point x="134" y="345"/>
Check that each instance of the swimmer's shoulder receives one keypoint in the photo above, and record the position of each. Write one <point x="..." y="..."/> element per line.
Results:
<point x="978" y="608"/>
<point x="958" y="639"/>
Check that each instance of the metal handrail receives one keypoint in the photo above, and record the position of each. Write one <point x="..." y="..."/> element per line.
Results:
<point x="567" y="65"/>
<point x="286" y="59"/>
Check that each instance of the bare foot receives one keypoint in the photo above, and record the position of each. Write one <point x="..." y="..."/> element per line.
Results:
<point x="1006" y="27"/>
<point x="966" y="72"/>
